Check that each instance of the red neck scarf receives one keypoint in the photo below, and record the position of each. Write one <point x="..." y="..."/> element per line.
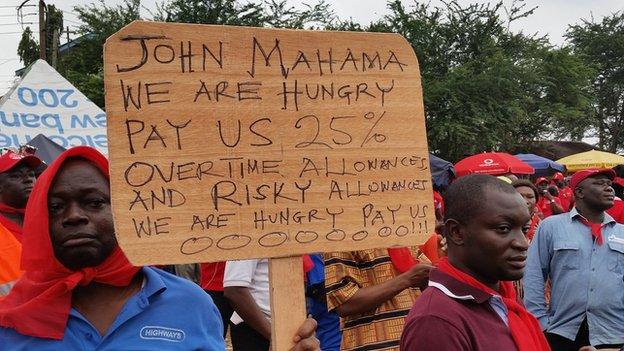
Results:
<point x="402" y="258"/>
<point x="13" y="227"/>
<point x="39" y="303"/>
<point x="8" y="209"/>
<point x="525" y="329"/>
<point x="596" y="228"/>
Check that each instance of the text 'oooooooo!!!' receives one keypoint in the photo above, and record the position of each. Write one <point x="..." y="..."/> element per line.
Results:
<point x="231" y="142"/>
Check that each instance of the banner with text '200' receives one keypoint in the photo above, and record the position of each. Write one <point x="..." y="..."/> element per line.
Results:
<point x="235" y="142"/>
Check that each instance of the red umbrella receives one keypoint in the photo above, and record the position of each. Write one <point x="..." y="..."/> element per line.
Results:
<point x="494" y="163"/>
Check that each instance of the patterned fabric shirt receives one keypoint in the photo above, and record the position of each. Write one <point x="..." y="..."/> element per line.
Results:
<point x="378" y="329"/>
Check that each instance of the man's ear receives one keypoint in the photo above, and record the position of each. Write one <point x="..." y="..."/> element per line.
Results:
<point x="454" y="232"/>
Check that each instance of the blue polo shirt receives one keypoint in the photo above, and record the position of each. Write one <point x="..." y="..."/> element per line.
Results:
<point x="587" y="279"/>
<point x="168" y="313"/>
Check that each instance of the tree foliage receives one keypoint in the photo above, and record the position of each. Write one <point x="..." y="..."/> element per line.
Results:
<point x="28" y="47"/>
<point x="485" y="87"/>
<point x="601" y="46"/>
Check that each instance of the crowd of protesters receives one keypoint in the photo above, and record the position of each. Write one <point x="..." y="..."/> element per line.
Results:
<point x="513" y="264"/>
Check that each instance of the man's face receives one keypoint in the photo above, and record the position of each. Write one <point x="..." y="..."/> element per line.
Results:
<point x="495" y="246"/>
<point x="16" y="185"/>
<point x="80" y="217"/>
<point x="543" y="186"/>
<point x="560" y="184"/>
<point x="596" y="192"/>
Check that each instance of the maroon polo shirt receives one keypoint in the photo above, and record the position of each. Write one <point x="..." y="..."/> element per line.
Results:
<point x="453" y="316"/>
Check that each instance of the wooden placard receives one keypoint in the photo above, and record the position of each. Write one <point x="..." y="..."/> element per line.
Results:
<point x="237" y="142"/>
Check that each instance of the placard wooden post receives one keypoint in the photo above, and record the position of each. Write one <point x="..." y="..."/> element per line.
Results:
<point x="231" y="143"/>
<point x="288" y="308"/>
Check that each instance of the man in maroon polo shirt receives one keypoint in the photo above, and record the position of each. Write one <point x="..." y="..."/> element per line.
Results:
<point x="470" y="304"/>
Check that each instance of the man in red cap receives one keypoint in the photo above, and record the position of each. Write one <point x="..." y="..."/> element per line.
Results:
<point x="17" y="178"/>
<point x="582" y="253"/>
<point x="547" y="204"/>
<point x="565" y="193"/>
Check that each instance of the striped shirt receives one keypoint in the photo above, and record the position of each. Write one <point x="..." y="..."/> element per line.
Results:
<point x="378" y="329"/>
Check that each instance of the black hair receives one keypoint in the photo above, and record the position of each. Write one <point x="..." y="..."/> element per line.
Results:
<point x="525" y="182"/>
<point x="464" y="198"/>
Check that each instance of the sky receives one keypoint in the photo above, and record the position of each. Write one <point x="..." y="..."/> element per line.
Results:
<point x="551" y="18"/>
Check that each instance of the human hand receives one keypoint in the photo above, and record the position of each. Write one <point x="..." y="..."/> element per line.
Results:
<point x="305" y="340"/>
<point x="418" y="276"/>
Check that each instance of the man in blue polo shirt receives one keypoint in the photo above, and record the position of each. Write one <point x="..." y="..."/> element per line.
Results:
<point x="79" y="292"/>
<point x="582" y="253"/>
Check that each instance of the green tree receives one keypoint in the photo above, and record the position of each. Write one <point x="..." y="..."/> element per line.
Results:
<point x="601" y="46"/>
<point x="28" y="48"/>
<point x="486" y="88"/>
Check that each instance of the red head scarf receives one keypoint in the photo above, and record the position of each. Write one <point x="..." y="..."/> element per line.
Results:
<point x="39" y="303"/>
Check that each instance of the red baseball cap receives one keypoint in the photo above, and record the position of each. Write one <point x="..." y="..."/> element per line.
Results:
<point x="10" y="159"/>
<point x="541" y="180"/>
<point x="586" y="173"/>
<point x="557" y="176"/>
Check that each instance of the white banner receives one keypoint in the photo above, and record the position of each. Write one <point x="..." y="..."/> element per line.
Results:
<point x="46" y="103"/>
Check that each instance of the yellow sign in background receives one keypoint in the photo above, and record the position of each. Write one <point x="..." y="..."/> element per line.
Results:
<point x="235" y="142"/>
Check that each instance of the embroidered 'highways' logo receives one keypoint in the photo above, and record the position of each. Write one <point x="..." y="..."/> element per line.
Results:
<point x="162" y="333"/>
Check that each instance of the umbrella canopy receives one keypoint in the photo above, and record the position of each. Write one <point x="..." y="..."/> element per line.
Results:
<point x="494" y="163"/>
<point x="542" y="165"/>
<point x="441" y="171"/>
<point x="591" y="159"/>
<point x="47" y="150"/>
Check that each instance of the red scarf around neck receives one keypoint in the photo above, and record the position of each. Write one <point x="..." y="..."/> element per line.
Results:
<point x="525" y="329"/>
<point x="595" y="228"/>
<point x="402" y="258"/>
<point x="39" y="303"/>
<point x="13" y="227"/>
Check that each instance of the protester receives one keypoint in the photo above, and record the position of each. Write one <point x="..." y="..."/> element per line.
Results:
<point x="530" y="194"/>
<point x="548" y="204"/>
<point x="373" y="290"/>
<point x="80" y="292"/>
<point x="470" y="303"/>
<point x="246" y="286"/>
<point x="17" y="178"/>
<point x="565" y="193"/>
<point x="582" y="253"/>
<point x="328" y="329"/>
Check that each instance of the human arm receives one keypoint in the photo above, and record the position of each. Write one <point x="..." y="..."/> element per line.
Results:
<point x="362" y="299"/>
<point x="553" y="202"/>
<point x="243" y="303"/>
<point x="536" y="273"/>
<point x="238" y="277"/>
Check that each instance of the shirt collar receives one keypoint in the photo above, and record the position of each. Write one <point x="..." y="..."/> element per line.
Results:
<point x="153" y="283"/>
<point x="606" y="220"/>
<point x="455" y="289"/>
